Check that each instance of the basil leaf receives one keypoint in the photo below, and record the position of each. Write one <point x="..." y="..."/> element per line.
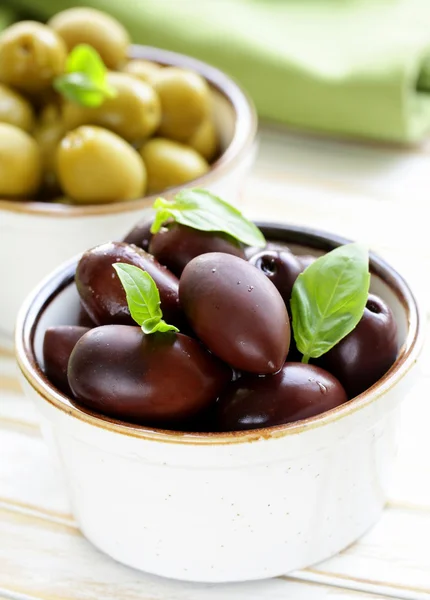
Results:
<point x="78" y="88"/>
<point x="203" y="210"/>
<point x="85" y="79"/>
<point x="162" y="327"/>
<point x="143" y="298"/>
<point x="85" y="59"/>
<point x="329" y="298"/>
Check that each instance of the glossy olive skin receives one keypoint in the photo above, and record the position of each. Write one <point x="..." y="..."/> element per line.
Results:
<point x="95" y="28"/>
<point x="141" y="234"/>
<point x="236" y="311"/>
<point x="296" y="392"/>
<point x="366" y="354"/>
<point x="145" y="70"/>
<point x="84" y="319"/>
<point x="20" y="164"/>
<point x="31" y="55"/>
<point x="282" y="268"/>
<point x="205" y="140"/>
<point x="176" y="245"/>
<point x="96" y="166"/>
<point x="50" y="112"/>
<point x="170" y="163"/>
<point x="48" y="135"/>
<point x="185" y="102"/>
<point x="133" y="114"/>
<point x="15" y="109"/>
<point x="154" y="379"/>
<point x="102" y="293"/>
<point x="58" y="344"/>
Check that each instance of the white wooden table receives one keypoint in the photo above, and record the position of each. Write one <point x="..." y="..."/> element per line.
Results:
<point x="372" y="193"/>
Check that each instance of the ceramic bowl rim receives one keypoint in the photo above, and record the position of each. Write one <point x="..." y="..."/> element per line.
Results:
<point x="40" y="298"/>
<point x="243" y="138"/>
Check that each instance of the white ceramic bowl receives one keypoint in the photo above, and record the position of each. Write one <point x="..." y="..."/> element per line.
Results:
<point x="35" y="237"/>
<point x="234" y="506"/>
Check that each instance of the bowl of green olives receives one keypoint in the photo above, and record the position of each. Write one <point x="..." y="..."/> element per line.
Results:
<point x="93" y="128"/>
<point x="231" y="384"/>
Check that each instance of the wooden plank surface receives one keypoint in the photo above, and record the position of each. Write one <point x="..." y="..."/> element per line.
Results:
<point x="337" y="186"/>
<point x="35" y="513"/>
<point x="59" y="563"/>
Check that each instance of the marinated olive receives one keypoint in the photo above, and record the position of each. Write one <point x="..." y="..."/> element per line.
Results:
<point x="282" y="268"/>
<point x="205" y="140"/>
<point x="48" y="135"/>
<point x="154" y="379"/>
<point x="20" y="164"/>
<point x="50" y="113"/>
<point x="95" y="165"/>
<point x="97" y="29"/>
<point x="84" y="319"/>
<point x="185" y="102"/>
<point x="236" y="311"/>
<point x="176" y="245"/>
<point x="141" y="234"/>
<point x="102" y="293"/>
<point x="296" y="392"/>
<point x="366" y="354"/>
<point x="142" y="69"/>
<point x="15" y="109"/>
<point x="58" y="344"/>
<point x="169" y="164"/>
<point x="134" y="113"/>
<point x="31" y="55"/>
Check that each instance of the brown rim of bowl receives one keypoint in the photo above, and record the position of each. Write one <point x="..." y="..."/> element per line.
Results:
<point x="36" y="303"/>
<point x="243" y="139"/>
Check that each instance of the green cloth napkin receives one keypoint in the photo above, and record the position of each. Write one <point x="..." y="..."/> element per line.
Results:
<point x="6" y="17"/>
<point x="340" y="66"/>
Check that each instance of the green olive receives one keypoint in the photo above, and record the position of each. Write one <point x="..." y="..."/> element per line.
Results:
<point x="15" y="109"/>
<point x="185" y="102"/>
<point x="144" y="70"/>
<point x="31" y="55"/>
<point x="134" y="113"/>
<point x="48" y="134"/>
<point x="170" y="163"/>
<point x="20" y="162"/>
<point x="95" y="166"/>
<point x="50" y="113"/>
<point x="205" y="140"/>
<point x="95" y="28"/>
<point x="47" y="98"/>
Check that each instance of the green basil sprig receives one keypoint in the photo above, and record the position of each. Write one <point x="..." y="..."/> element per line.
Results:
<point x="85" y="80"/>
<point x="203" y="210"/>
<point x="329" y="298"/>
<point x="143" y="298"/>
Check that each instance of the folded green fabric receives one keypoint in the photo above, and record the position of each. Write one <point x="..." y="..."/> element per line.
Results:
<point x="352" y="67"/>
<point x="6" y="17"/>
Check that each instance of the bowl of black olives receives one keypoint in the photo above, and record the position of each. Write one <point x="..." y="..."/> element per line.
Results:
<point x="223" y="395"/>
<point x="93" y="128"/>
